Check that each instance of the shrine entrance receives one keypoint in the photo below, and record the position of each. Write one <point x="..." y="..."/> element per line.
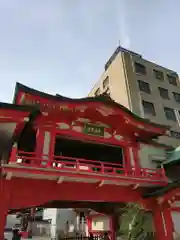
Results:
<point x="79" y="220"/>
<point x="88" y="150"/>
<point x="74" y="219"/>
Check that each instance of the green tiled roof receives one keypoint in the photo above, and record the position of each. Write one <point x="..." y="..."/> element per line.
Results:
<point x="173" y="157"/>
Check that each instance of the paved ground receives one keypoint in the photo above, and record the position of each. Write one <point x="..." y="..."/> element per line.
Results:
<point x="39" y="238"/>
<point x="8" y="236"/>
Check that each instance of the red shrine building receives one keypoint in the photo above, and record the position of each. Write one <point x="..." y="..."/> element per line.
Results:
<point x="56" y="149"/>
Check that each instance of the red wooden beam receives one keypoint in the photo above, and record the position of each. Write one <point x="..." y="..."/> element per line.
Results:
<point x="23" y="192"/>
<point x="172" y="193"/>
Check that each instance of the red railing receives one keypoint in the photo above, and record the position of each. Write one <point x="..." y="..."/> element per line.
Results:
<point x="83" y="165"/>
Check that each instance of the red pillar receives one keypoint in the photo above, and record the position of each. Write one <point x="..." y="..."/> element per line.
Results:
<point x="127" y="157"/>
<point x="113" y="226"/>
<point x="4" y="201"/>
<point x="168" y="221"/>
<point x="158" y="224"/>
<point x="163" y="224"/>
<point x="89" y="223"/>
<point x="137" y="166"/>
<point x="13" y="155"/>
<point x="3" y="214"/>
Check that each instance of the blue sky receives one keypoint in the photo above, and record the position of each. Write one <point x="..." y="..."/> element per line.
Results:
<point x="61" y="46"/>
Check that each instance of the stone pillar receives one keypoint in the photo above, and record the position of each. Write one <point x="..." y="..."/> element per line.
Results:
<point x="77" y="222"/>
<point x="86" y="228"/>
<point x="31" y="222"/>
<point x="114" y="224"/>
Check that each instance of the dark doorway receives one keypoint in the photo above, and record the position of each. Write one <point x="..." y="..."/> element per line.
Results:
<point x="88" y="150"/>
<point x="28" y="140"/>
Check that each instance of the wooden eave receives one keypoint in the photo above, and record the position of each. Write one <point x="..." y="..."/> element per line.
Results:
<point x="18" y="108"/>
<point x="155" y="128"/>
<point x="23" y="115"/>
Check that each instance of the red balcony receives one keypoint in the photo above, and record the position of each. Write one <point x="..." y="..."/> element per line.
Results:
<point x="60" y="168"/>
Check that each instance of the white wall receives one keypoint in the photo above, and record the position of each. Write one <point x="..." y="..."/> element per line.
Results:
<point x="64" y="215"/>
<point x="59" y="218"/>
<point x="100" y="223"/>
<point x="176" y="220"/>
<point x="11" y="220"/>
<point x="46" y="147"/>
<point x="51" y="214"/>
<point x="146" y="153"/>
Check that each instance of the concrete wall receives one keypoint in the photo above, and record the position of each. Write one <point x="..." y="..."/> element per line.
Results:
<point x="51" y="214"/>
<point x="11" y="220"/>
<point x="176" y="220"/>
<point x="41" y="229"/>
<point x="64" y="216"/>
<point x="123" y="85"/>
<point x="155" y="98"/>
<point x="63" y="221"/>
<point x="117" y="82"/>
<point x="146" y="153"/>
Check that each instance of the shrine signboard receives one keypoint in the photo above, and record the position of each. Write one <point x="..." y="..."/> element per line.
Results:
<point x="95" y="130"/>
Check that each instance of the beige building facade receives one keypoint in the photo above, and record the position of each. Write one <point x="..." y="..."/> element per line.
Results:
<point x="147" y="89"/>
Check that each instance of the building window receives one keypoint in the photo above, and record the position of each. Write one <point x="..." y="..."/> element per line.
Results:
<point x="170" y="113"/>
<point x="107" y="91"/>
<point x="139" y="68"/>
<point x="163" y="93"/>
<point x="172" y="80"/>
<point x="176" y="97"/>
<point x="97" y="92"/>
<point x="158" y="74"/>
<point x="144" y="87"/>
<point x="106" y="82"/>
<point x="148" y="108"/>
<point x="175" y="134"/>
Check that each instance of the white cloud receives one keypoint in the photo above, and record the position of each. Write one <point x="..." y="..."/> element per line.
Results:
<point x="126" y="42"/>
<point x="123" y="34"/>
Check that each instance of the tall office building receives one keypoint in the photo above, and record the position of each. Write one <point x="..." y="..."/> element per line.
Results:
<point x="147" y="89"/>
